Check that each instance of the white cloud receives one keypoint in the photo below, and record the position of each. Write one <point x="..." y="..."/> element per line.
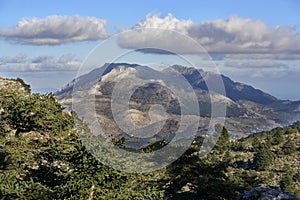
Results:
<point x="55" y="29"/>
<point x="160" y="35"/>
<point x="13" y="59"/>
<point x="234" y="36"/>
<point x="169" y="22"/>
<point x="237" y="35"/>
<point x="42" y="63"/>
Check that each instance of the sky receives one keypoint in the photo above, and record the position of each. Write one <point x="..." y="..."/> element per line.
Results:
<point x="254" y="42"/>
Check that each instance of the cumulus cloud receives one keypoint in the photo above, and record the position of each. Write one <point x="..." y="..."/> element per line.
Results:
<point x="168" y="22"/>
<point x="55" y="29"/>
<point x="234" y="36"/>
<point x="41" y="63"/>
<point x="156" y="35"/>
<point x="237" y="35"/>
<point x="262" y="64"/>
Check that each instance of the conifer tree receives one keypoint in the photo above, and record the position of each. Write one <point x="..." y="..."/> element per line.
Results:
<point x="263" y="157"/>
<point x="289" y="147"/>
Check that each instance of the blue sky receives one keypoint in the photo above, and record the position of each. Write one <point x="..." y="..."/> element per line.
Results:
<point x="265" y="51"/>
<point x="127" y="13"/>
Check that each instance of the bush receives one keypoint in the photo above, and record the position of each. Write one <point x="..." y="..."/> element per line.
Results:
<point x="33" y="112"/>
<point x="278" y="137"/>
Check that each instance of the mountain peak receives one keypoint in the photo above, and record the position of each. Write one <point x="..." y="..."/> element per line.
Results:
<point x="184" y="69"/>
<point x="118" y="72"/>
<point x="248" y="109"/>
<point x="109" y="66"/>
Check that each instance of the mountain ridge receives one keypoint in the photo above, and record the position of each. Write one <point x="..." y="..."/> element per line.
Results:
<point x="248" y="109"/>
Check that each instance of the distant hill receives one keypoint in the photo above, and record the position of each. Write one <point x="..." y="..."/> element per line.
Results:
<point x="248" y="109"/>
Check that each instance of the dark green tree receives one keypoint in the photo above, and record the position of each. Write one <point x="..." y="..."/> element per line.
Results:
<point x="26" y="86"/>
<point x="286" y="182"/>
<point x="256" y="143"/>
<point x="223" y="142"/>
<point x="290" y="130"/>
<point x="263" y="157"/>
<point x="278" y="137"/>
<point x="289" y="147"/>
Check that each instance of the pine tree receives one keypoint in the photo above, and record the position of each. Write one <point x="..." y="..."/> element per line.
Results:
<point x="223" y="142"/>
<point x="289" y="147"/>
<point x="256" y="143"/>
<point x="278" y="137"/>
<point x="263" y="157"/>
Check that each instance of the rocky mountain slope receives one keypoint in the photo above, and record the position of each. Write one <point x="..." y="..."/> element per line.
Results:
<point x="247" y="109"/>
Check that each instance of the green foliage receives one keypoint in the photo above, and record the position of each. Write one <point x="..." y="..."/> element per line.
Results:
<point x="291" y="130"/>
<point x="263" y="157"/>
<point x="61" y="168"/>
<point x="256" y="143"/>
<point x="289" y="147"/>
<point x="286" y="183"/>
<point x="223" y="142"/>
<point x="155" y="146"/>
<point x="26" y="86"/>
<point x="119" y="143"/>
<point x="184" y="170"/>
<point x="278" y="137"/>
<point x="47" y="160"/>
<point x="297" y="177"/>
<point x="33" y="112"/>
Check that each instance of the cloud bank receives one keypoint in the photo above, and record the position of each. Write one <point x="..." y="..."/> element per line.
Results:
<point x="42" y="63"/>
<point x="234" y="36"/>
<point x="13" y="59"/>
<point x="55" y="29"/>
<point x="261" y="64"/>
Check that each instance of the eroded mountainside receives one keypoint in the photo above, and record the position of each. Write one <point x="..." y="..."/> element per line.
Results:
<point x="247" y="109"/>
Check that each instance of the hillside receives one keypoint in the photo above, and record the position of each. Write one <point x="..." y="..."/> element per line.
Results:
<point x="42" y="157"/>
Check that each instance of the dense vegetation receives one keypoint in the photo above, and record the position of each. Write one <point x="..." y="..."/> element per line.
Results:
<point x="42" y="157"/>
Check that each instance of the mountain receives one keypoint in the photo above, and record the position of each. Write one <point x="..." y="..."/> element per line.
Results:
<point x="248" y="109"/>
